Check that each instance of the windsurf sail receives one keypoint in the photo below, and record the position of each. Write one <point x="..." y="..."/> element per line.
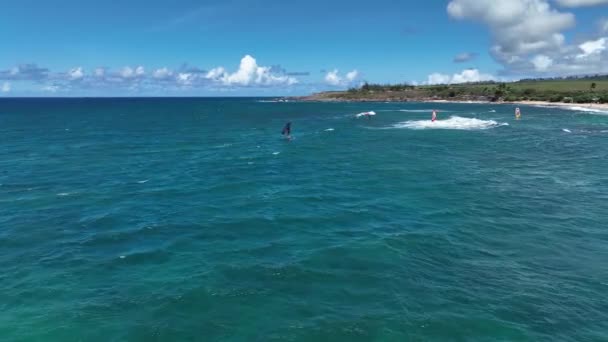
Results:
<point x="287" y="129"/>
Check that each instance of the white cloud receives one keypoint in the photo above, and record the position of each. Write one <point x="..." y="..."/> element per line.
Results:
<point x="162" y="74"/>
<point x="249" y="74"/>
<point x="542" y="62"/>
<point x="437" y="78"/>
<point x="128" y="72"/>
<point x="6" y="87"/>
<point x="592" y="47"/>
<point x="185" y="78"/>
<point x="466" y="76"/>
<point x="580" y="3"/>
<point x="351" y="76"/>
<point x="528" y="36"/>
<point x="216" y="73"/>
<point x="519" y="27"/>
<point x="75" y="73"/>
<point x="333" y="78"/>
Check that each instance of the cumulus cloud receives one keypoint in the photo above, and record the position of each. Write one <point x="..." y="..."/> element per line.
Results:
<point x="520" y="27"/>
<point x="333" y="78"/>
<point x="528" y="36"/>
<point x="6" y="87"/>
<point x="249" y="73"/>
<point x="466" y="76"/>
<point x="581" y="3"/>
<point x="465" y="57"/>
<point x="592" y="47"/>
<point x="76" y="73"/>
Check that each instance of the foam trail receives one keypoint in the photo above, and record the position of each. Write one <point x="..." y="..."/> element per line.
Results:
<point x="143" y="181"/>
<point x="566" y="130"/>
<point x="454" y="122"/>
<point x="329" y="130"/>
<point x="493" y="111"/>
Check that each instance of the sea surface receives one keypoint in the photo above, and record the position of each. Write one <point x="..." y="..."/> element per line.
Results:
<point x="194" y="220"/>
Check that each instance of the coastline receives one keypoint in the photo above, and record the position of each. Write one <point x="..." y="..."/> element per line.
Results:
<point x="599" y="106"/>
<point x="313" y="98"/>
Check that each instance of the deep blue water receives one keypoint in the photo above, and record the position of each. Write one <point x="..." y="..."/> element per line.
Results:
<point x="193" y="220"/>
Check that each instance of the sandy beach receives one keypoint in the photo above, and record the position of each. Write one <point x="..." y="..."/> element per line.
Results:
<point x="598" y="106"/>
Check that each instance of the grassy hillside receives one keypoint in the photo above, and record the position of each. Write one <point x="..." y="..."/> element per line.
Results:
<point x="575" y="90"/>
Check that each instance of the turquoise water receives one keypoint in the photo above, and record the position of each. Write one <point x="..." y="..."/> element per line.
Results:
<point x="192" y="220"/>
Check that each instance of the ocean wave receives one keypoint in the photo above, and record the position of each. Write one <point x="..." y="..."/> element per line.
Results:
<point x="454" y="122"/>
<point x="588" y="110"/>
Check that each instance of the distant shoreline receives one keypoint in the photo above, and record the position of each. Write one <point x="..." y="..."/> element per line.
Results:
<point x="600" y="106"/>
<point x="531" y="103"/>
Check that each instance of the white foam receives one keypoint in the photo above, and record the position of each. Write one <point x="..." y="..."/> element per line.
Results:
<point x="63" y="194"/>
<point x="423" y="110"/>
<point x="276" y="153"/>
<point x="566" y="130"/>
<point x="143" y="181"/>
<point x="493" y="111"/>
<point x="588" y="110"/>
<point x="329" y="130"/>
<point x="370" y="113"/>
<point x="454" y="122"/>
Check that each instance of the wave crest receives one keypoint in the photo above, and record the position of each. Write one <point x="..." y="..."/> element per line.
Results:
<point x="454" y="122"/>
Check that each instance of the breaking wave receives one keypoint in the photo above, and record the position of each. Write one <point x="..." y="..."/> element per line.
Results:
<point x="454" y="122"/>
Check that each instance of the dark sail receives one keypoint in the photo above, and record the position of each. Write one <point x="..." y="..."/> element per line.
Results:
<point x="287" y="129"/>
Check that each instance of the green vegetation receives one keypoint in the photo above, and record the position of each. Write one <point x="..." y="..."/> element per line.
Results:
<point x="590" y="89"/>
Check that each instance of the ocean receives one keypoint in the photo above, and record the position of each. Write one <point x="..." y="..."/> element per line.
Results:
<point x="192" y="219"/>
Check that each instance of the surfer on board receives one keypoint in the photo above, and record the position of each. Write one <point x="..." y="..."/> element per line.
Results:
<point x="287" y="131"/>
<point x="434" y="116"/>
<point x="517" y="113"/>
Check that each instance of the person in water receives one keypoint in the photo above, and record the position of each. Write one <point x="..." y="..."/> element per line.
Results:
<point x="287" y="131"/>
<point x="517" y="113"/>
<point x="434" y="116"/>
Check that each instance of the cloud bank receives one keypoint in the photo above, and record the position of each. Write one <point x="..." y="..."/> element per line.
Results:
<point x="136" y="78"/>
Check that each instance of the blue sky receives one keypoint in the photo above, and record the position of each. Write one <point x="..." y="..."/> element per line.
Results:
<point x="272" y="47"/>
